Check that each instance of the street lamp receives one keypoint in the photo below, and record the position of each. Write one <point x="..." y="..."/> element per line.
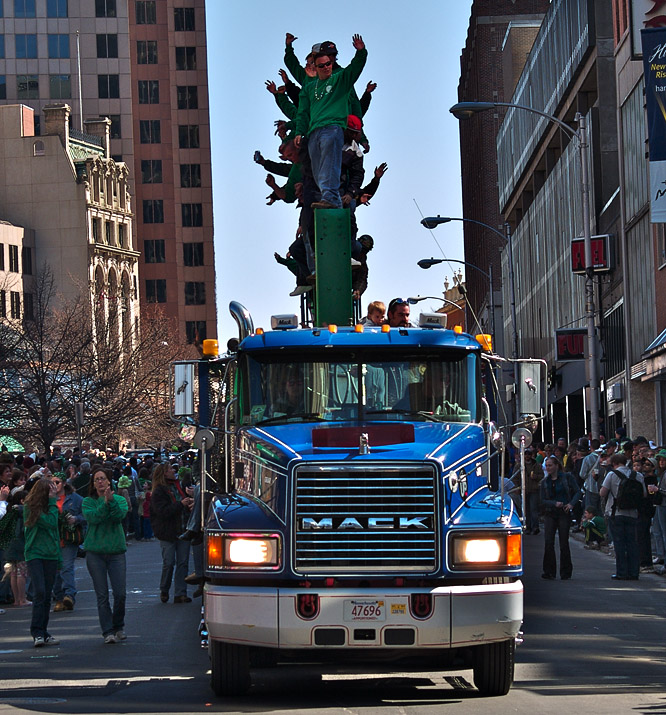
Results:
<point x="426" y="263"/>
<point x="418" y="298"/>
<point x="464" y="110"/>
<point x="433" y="221"/>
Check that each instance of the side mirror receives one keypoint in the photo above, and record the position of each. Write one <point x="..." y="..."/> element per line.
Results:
<point x="530" y="388"/>
<point x="496" y="437"/>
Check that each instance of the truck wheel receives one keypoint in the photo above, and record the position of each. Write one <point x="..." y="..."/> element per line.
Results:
<point x="229" y="668"/>
<point x="493" y="667"/>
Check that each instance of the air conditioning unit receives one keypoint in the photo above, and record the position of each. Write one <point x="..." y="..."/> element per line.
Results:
<point x="615" y="392"/>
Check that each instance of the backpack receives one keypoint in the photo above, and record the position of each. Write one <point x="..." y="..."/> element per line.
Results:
<point x="629" y="493"/>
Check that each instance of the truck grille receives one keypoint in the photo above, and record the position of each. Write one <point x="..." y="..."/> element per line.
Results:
<point x="350" y="520"/>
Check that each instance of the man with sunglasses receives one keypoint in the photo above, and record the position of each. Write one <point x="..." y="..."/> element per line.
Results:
<point x="398" y="313"/>
<point x="322" y="118"/>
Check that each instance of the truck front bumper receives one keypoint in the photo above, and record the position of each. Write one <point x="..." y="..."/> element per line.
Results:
<point x="461" y="616"/>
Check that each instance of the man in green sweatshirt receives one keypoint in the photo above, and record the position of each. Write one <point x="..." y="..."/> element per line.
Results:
<point x="322" y="117"/>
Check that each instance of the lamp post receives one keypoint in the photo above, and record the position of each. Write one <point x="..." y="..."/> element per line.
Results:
<point x="464" y="110"/>
<point x="434" y="221"/>
<point x="428" y="262"/>
<point x="413" y="300"/>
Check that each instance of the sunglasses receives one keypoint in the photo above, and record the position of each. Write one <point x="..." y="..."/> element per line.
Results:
<point x="398" y="301"/>
<point x="324" y="64"/>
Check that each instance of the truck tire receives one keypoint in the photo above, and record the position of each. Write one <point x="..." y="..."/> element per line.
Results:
<point x="493" y="668"/>
<point x="229" y="668"/>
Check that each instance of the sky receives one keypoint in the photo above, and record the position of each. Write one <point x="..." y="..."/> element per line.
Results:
<point x="414" y="57"/>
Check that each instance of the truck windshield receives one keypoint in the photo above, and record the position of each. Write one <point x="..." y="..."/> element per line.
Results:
<point x="437" y="386"/>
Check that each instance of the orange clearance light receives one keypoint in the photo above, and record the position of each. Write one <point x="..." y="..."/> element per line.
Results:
<point x="358" y="328"/>
<point x="210" y="348"/>
<point x="332" y="328"/>
<point x="513" y="557"/>
<point x="259" y="331"/>
<point x="485" y="341"/>
<point x="386" y="328"/>
<point x="457" y="329"/>
<point x="215" y="550"/>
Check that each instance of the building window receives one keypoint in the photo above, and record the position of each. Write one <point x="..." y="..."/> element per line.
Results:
<point x="188" y="136"/>
<point x="121" y="235"/>
<point x="2" y="256"/>
<point x="187" y="97"/>
<point x="190" y="176"/>
<point x="3" y="86"/>
<point x="195" y="330"/>
<point x="26" y="260"/>
<point x="58" y="46"/>
<point x="193" y="254"/>
<point x="146" y="13"/>
<point x="26" y="47"/>
<point x="149" y="130"/>
<point x="146" y="52"/>
<point x="151" y="171"/>
<point x="2" y="47"/>
<point x="24" y="8"/>
<point x="183" y="19"/>
<point x="28" y="306"/>
<point x="95" y="230"/>
<point x="195" y="293"/>
<point x="3" y="304"/>
<point x="114" y="130"/>
<point x="192" y="214"/>
<point x="56" y="8"/>
<point x="105" y="8"/>
<point x="186" y="58"/>
<point x="156" y="291"/>
<point x="149" y="91"/>
<point x="107" y="45"/>
<point x="108" y="86"/>
<point x="15" y="299"/>
<point x="27" y="86"/>
<point x="153" y="251"/>
<point x="108" y="233"/>
<point x="13" y="259"/>
<point x="60" y="86"/>
<point x="153" y="211"/>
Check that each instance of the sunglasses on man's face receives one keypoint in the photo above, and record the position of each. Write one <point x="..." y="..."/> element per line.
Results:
<point x="321" y="65"/>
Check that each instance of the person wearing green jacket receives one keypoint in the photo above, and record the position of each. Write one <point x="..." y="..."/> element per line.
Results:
<point x="105" y="548"/>
<point x="322" y="117"/>
<point x="42" y="555"/>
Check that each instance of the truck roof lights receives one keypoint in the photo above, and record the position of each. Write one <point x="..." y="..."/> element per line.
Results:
<point x="485" y="341"/>
<point x="210" y="348"/>
<point x="333" y="329"/>
<point x="358" y="328"/>
<point x="386" y="328"/>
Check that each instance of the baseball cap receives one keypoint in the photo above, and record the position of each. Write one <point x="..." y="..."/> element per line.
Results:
<point x="327" y="48"/>
<point x="354" y="123"/>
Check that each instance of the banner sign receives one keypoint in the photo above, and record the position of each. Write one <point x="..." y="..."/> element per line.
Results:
<point x="645" y="14"/>
<point x="601" y="254"/>
<point x="570" y="344"/>
<point x="654" y="66"/>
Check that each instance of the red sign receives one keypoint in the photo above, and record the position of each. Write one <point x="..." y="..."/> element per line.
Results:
<point x="601" y="258"/>
<point x="570" y="344"/>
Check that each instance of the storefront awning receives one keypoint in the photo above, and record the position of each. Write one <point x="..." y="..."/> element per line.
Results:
<point x="654" y="358"/>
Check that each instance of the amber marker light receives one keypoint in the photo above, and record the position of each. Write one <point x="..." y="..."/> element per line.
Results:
<point x="358" y="328"/>
<point x="457" y="329"/>
<point x="259" y="331"/>
<point x="386" y="328"/>
<point x="214" y="542"/>
<point x="332" y="328"/>
<point x="513" y="550"/>
<point x="485" y="341"/>
<point x="210" y="348"/>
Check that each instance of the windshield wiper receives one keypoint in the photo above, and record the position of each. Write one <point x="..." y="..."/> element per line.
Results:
<point x="314" y="416"/>
<point x="413" y="413"/>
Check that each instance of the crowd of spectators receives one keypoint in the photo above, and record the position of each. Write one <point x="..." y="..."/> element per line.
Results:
<point x="322" y="148"/>
<point x="91" y="505"/>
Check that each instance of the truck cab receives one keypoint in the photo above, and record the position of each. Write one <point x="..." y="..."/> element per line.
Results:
<point x="353" y="520"/>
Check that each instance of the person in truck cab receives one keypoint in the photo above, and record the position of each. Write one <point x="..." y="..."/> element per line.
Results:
<point x="398" y="314"/>
<point x="290" y="400"/>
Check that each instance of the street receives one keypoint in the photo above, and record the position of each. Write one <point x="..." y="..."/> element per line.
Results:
<point x="590" y="644"/>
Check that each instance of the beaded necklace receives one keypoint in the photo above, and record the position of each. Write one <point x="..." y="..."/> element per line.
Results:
<point x="323" y="90"/>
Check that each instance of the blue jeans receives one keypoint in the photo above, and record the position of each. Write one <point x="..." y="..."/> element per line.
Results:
<point x="105" y="568"/>
<point x="65" y="583"/>
<point x="532" y="511"/>
<point x="42" y="575"/>
<point x="174" y="553"/>
<point x="625" y="538"/>
<point x="325" y="147"/>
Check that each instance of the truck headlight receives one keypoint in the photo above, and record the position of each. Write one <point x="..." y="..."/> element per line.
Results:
<point x="243" y="550"/>
<point x="478" y="550"/>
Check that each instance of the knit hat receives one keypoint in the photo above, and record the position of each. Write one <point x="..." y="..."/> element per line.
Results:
<point x="124" y="483"/>
<point x="661" y="454"/>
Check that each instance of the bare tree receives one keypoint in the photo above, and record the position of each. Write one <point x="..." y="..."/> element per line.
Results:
<point x="71" y="353"/>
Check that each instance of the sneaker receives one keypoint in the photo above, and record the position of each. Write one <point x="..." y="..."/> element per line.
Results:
<point x="39" y="642"/>
<point x="647" y="569"/>
<point x="657" y="560"/>
<point x="164" y="596"/>
<point x="50" y="640"/>
<point x="192" y="578"/>
<point x="121" y="636"/>
<point x="111" y="638"/>
<point x="59" y="606"/>
<point x="299" y="290"/>
<point x="68" y="602"/>
<point x="355" y="263"/>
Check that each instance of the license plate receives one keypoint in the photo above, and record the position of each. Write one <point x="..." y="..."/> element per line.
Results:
<point x="364" y="610"/>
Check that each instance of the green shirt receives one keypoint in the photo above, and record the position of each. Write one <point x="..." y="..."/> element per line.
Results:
<point x="42" y="539"/>
<point x="323" y="103"/>
<point x="105" y="533"/>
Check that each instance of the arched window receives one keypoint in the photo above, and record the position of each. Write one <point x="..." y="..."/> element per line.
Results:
<point x="38" y="148"/>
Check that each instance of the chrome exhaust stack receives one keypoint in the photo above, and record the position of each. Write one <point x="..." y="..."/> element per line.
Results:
<point x="243" y="319"/>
